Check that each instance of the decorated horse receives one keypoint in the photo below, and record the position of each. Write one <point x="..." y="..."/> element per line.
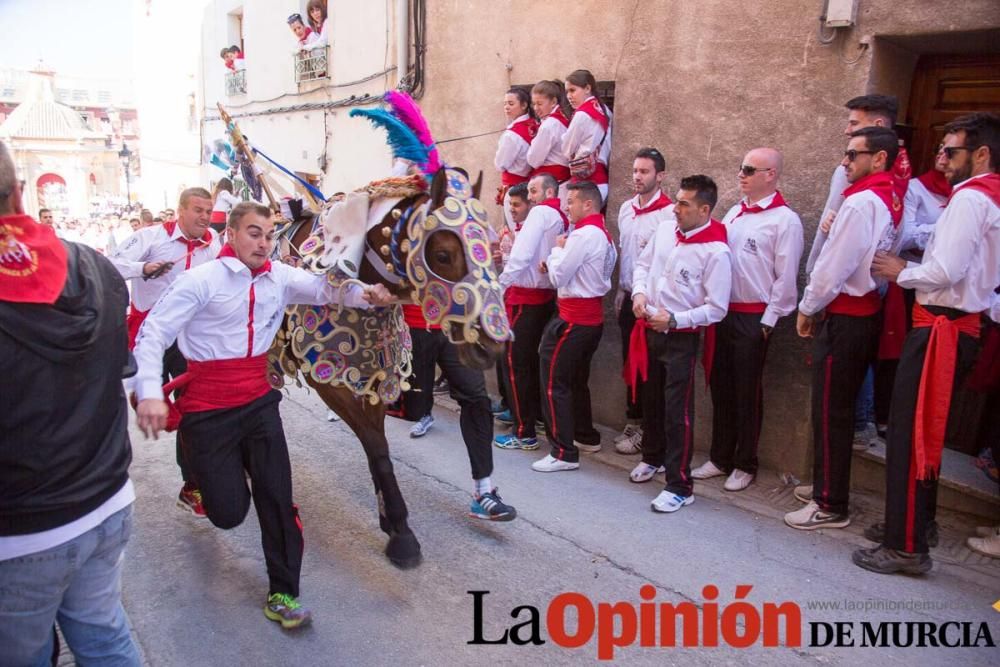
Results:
<point x="423" y="235"/>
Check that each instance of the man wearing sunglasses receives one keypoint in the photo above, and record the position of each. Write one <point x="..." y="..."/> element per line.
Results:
<point x="955" y="286"/>
<point x="840" y="311"/>
<point x="765" y="237"/>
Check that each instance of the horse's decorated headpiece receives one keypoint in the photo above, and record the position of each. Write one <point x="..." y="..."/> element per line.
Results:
<point x="475" y="302"/>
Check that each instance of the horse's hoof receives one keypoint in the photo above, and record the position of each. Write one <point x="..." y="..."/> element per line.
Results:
<point x="403" y="550"/>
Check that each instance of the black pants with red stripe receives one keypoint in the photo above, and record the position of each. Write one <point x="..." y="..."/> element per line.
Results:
<point x="737" y="391"/>
<point x="626" y="322"/>
<point x="668" y="407"/>
<point x="565" y="354"/>
<point x="174" y="364"/>
<point x="909" y="502"/>
<point x="843" y="349"/>
<point x="220" y="445"/>
<point x="466" y="385"/>
<point x="521" y="365"/>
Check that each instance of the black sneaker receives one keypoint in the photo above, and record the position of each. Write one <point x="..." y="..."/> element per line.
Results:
<point x="889" y="561"/>
<point x="491" y="507"/>
<point x="876" y="533"/>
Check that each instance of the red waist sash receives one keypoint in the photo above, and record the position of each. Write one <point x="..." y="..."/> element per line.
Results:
<point x="890" y="341"/>
<point x="509" y="179"/>
<point x="559" y="171"/>
<point x="585" y="311"/>
<point x="527" y="296"/>
<point x="599" y="177"/>
<point x="936" y="382"/>
<point x="855" y="306"/>
<point x="215" y="385"/>
<point x="133" y="321"/>
<point x="749" y="307"/>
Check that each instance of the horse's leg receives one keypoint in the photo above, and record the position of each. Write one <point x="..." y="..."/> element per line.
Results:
<point x="368" y="423"/>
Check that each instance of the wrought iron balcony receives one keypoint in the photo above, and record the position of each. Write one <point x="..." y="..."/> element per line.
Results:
<point x="236" y="82"/>
<point x="312" y="65"/>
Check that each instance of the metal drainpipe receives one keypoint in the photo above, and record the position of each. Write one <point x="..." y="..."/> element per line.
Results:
<point x="402" y="39"/>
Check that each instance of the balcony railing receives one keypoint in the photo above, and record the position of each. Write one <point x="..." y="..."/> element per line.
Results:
<point x="312" y="65"/>
<point x="236" y="82"/>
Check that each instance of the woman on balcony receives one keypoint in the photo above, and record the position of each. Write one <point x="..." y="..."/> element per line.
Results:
<point x="316" y="11"/>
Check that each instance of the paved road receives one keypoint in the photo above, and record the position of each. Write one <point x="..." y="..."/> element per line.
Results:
<point x="194" y="592"/>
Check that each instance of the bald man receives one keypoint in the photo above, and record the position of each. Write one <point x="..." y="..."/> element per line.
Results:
<point x="765" y="238"/>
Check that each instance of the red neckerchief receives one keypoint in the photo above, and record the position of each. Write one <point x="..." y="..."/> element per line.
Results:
<point x="660" y="201"/>
<point x="594" y="220"/>
<point x="231" y="66"/>
<point x="882" y="184"/>
<point x="559" y="116"/>
<point x="192" y="244"/>
<point x="227" y="251"/>
<point x="756" y="208"/>
<point x="935" y="182"/>
<point x="989" y="185"/>
<point x="593" y="109"/>
<point x="305" y="36"/>
<point x="555" y="204"/>
<point x="526" y="129"/>
<point x="33" y="263"/>
<point x="714" y="231"/>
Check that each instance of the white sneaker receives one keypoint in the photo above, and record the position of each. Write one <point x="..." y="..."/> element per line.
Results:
<point x="812" y="517"/>
<point x="987" y="546"/>
<point x="863" y="439"/>
<point x="420" y="429"/>
<point x="551" y="464"/>
<point x="670" y="502"/>
<point x="644" y="472"/>
<point x="590" y="449"/>
<point x="332" y="416"/>
<point x="803" y="493"/>
<point x="707" y="470"/>
<point x="987" y="531"/>
<point x="738" y="480"/>
<point x="629" y="441"/>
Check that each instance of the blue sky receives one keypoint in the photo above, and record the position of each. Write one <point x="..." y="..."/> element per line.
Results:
<point x="73" y="37"/>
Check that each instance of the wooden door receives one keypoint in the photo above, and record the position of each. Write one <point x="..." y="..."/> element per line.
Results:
<point x="944" y="88"/>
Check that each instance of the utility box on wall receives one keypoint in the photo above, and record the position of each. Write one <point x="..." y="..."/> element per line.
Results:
<point x="840" y="13"/>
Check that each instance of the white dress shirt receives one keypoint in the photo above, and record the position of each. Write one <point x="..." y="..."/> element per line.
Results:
<point x="531" y="246"/>
<point x="961" y="266"/>
<point x="634" y="232"/>
<point x="219" y="311"/>
<point x="512" y="151"/>
<point x="583" y="267"/>
<point x="691" y="281"/>
<point x="546" y="148"/>
<point x="156" y="244"/>
<point x="766" y="246"/>
<point x="921" y="210"/>
<point x="862" y="227"/>
<point x="225" y="201"/>
<point x="838" y="183"/>
<point x="583" y="136"/>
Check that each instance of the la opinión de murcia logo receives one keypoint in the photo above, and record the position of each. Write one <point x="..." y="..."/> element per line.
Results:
<point x="572" y="620"/>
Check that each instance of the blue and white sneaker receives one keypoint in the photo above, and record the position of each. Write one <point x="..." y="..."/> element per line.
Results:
<point x="420" y="429"/>
<point x="505" y="418"/>
<point x="511" y="441"/>
<point x="670" y="502"/>
<point x="491" y="507"/>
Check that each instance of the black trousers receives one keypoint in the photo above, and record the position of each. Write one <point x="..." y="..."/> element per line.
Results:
<point x="626" y="322"/>
<point x="220" y="445"/>
<point x="668" y="407"/>
<point x="521" y="366"/>
<point x="909" y="502"/>
<point x="467" y="387"/>
<point x="737" y="391"/>
<point x="175" y="364"/>
<point x="565" y="353"/>
<point x="842" y="351"/>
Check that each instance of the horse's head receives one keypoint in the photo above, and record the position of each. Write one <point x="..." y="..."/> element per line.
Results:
<point x="434" y="249"/>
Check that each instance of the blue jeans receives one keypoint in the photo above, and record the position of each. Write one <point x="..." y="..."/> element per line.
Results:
<point x="864" y="406"/>
<point x="77" y="583"/>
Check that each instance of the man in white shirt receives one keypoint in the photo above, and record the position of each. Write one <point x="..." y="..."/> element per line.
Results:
<point x="529" y="297"/>
<point x="638" y="220"/>
<point x="224" y="316"/>
<point x="955" y="287"/>
<point x="840" y="309"/>
<point x="925" y="200"/>
<point x="765" y="237"/>
<point x="152" y="259"/>
<point x="580" y="267"/>
<point x="681" y="284"/>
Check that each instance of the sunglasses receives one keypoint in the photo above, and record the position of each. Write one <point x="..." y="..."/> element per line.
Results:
<point x="852" y="154"/>
<point x="949" y="151"/>
<point x="747" y="170"/>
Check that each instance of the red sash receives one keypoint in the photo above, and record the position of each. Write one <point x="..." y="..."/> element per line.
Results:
<point x="509" y="179"/>
<point x="218" y="216"/>
<point x="559" y="116"/>
<point x="988" y="185"/>
<point x="661" y="201"/>
<point x="935" y="182"/>
<point x="555" y="204"/>
<point x="936" y="382"/>
<point x="413" y="315"/>
<point x="715" y="231"/>
<point x="883" y="185"/>
<point x="191" y="244"/>
<point x="585" y="311"/>
<point x="217" y="385"/>
<point x="890" y="341"/>
<point x="599" y="177"/>
<point x="527" y="296"/>
<point x="637" y="360"/>
<point x="592" y="108"/>
<point x="133" y="321"/>
<point x="560" y="172"/>
<point x="33" y="261"/>
<point x="756" y="208"/>
<point x="855" y="306"/>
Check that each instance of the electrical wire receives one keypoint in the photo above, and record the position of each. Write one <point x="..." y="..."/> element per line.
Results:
<point x="309" y="92"/>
